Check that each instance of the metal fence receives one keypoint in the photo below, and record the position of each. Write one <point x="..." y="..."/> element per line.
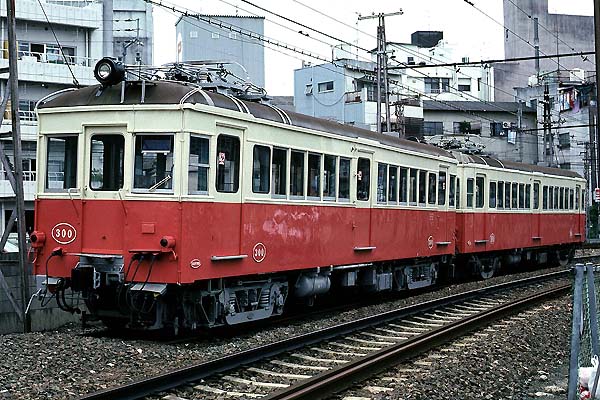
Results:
<point x="584" y="333"/>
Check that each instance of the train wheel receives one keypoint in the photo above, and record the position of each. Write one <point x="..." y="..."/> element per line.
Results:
<point x="486" y="268"/>
<point x="563" y="257"/>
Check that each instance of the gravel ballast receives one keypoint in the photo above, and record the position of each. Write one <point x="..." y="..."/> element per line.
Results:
<point x="70" y="362"/>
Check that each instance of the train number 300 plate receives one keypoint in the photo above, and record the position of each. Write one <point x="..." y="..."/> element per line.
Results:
<point x="64" y="233"/>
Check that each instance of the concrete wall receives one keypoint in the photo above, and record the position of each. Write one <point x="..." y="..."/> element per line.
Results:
<point x="576" y="31"/>
<point x="126" y="12"/>
<point x="202" y="41"/>
<point x="46" y="318"/>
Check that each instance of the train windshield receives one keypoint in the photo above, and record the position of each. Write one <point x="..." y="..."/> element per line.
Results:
<point x="153" y="163"/>
<point x="61" y="168"/>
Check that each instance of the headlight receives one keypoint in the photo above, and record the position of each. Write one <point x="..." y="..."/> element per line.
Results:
<point x="109" y="71"/>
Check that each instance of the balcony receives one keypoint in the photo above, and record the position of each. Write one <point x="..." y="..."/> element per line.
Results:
<point x="51" y="68"/>
<point x="82" y="13"/>
<point x="29" y="185"/>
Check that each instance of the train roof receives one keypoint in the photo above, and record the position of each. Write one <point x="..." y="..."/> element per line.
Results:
<point x="172" y="92"/>
<point x="493" y="162"/>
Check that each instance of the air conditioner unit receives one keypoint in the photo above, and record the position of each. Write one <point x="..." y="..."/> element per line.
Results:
<point x="505" y="125"/>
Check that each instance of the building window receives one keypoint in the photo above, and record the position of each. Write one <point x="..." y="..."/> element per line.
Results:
<point x="363" y="180"/>
<point x="61" y="170"/>
<point x="27" y="110"/>
<point x="461" y="127"/>
<point x="431" y="128"/>
<point x="564" y="140"/>
<point x="410" y="60"/>
<point x="497" y="129"/>
<point x="278" y="172"/>
<point x="233" y="35"/>
<point x="464" y="88"/>
<point x="194" y="34"/>
<point x="260" y="169"/>
<point x="198" y="166"/>
<point x="153" y="162"/>
<point x="326" y="87"/>
<point x="437" y="85"/>
<point x="215" y="35"/>
<point x="228" y="164"/>
<point x="106" y="172"/>
<point x="308" y="89"/>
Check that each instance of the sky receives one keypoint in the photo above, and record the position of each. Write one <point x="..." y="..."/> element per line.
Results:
<point x="472" y="33"/>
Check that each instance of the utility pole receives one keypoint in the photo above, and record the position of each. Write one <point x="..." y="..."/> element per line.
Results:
<point x="597" y="48"/>
<point x="591" y="152"/>
<point x="382" y="63"/>
<point x="520" y="130"/>
<point x="547" y="125"/>
<point x="131" y="42"/>
<point x="18" y="165"/>
<point x="536" y="45"/>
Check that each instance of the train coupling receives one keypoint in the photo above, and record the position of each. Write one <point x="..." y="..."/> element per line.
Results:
<point x="95" y="271"/>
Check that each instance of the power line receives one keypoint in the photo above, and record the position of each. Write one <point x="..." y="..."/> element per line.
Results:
<point x="494" y="61"/>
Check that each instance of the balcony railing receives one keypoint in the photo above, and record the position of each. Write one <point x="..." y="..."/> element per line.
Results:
<point x="354" y="97"/>
<point x="73" y="3"/>
<point x="52" y="58"/>
<point x="28" y="176"/>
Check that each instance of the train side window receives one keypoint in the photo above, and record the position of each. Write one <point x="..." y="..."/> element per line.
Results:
<point x="550" y="197"/>
<point x="507" y="195"/>
<point x="571" y="199"/>
<point x="106" y="171"/>
<point x="363" y="179"/>
<point x="422" y="186"/>
<point x="297" y="174"/>
<point x="452" y="191"/>
<point x="561" y="198"/>
<point x="61" y="168"/>
<point x="393" y="184"/>
<point x="470" y="192"/>
<point x="514" y="196"/>
<point x="528" y="196"/>
<point x="261" y="161"/>
<point x="457" y="192"/>
<point x="536" y="196"/>
<point x="500" y="194"/>
<point x="582" y="203"/>
<point x="432" y="188"/>
<point x="344" y="184"/>
<point x="228" y="164"/>
<point x="492" y="195"/>
<point x="577" y="198"/>
<point x="521" y="195"/>
<point x="382" y="178"/>
<point x="198" y="165"/>
<point x="154" y="163"/>
<point x="279" y="172"/>
<point x="442" y="188"/>
<point x="329" y="177"/>
<point x="556" y="194"/>
<point x="404" y="185"/>
<point x="545" y="197"/>
<point x="413" y="186"/>
<point x="314" y="176"/>
<point x="479" y="191"/>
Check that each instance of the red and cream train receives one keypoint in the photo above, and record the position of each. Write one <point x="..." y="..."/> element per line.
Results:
<point x="165" y="205"/>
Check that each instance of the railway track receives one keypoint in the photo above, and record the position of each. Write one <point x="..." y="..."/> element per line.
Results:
<point x="328" y="360"/>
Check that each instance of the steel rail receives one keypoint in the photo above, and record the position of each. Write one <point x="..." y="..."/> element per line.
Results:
<point x="172" y="379"/>
<point x="344" y="376"/>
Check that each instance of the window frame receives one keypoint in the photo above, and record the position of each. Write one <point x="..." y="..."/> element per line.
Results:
<point x="116" y="134"/>
<point x="199" y="165"/>
<point x="239" y="167"/>
<point x="286" y="151"/>
<point x="47" y="189"/>
<point x="258" y="190"/>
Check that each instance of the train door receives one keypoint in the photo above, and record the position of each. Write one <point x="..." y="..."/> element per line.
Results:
<point x="535" y="212"/>
<point x="443" y="217"/>
<point x="579" y="202"/>
<point x="104" y="168"/>
<point x="228" y="184"/>
<point x="364" y="198"/>
<point x="480" y="234"/>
